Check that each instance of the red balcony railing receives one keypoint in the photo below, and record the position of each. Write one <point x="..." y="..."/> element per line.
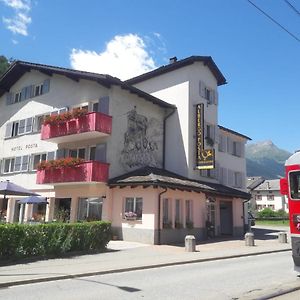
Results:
<point x="89" y="171"/>
<point x="93" y="124"/>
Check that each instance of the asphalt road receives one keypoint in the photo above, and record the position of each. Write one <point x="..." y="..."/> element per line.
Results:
<point x="239" y="278"/>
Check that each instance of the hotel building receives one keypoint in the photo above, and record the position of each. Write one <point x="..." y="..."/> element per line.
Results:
<point x="146" y="154"/>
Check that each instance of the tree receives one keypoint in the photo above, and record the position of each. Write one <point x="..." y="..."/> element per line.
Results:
<point x="4" y="64"/>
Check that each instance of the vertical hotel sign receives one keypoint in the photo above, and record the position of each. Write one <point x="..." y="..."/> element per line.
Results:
<point x="205" y="158"/>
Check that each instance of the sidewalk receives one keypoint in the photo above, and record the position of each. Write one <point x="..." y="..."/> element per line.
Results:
<point x="125" y="256"/>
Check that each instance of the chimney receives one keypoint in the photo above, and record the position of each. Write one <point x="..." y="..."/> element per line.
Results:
<point x="172" y="60"/>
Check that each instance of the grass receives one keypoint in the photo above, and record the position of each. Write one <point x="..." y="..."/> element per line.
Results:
<point x="272" y="222"/>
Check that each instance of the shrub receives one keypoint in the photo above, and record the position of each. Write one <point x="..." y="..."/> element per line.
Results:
<point x="60" y="163"/>
<point x="23" y="240"/>
<point x="268" y="213"/>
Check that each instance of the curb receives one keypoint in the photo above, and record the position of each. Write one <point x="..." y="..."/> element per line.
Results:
<point x="144" y="267"/>
<point x="266" y="295"/>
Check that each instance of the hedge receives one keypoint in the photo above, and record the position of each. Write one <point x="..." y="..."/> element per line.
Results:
<point x="54" y="239"/>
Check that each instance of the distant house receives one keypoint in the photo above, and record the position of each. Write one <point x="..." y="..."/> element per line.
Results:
<point x="267" y="195"/>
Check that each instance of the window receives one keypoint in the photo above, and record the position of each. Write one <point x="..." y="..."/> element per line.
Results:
<point x="25" y="126"/>
<point x="15" y="164"/>
<point x="270" y="197"/>
<point x="95" y="106"/>
<point x="9" y="164"/>
<point x="258" y="197"/>
<point x="188" y="211"/>
<point x="84" y="106"/>
<point x="210" y="173"/>
<point x="272" y="206"/>
<point x="18" y="162"/>
<point x="134" y="205"/>
<point x="92" y="154"/>
<point x="90" y="209"/>
<point x="38" y="89"/>
<point x="59" y="111"/>
<point x="177" y="210"/>
<point x="294" y="182"/>
<point x="166" y="213"/>
<point x="238" y="179"/>
<point x="17" y="97"/>
<point x="38" y="122"/>
<point x="37" y="158"/>
<point x="19" y="127"/>
<point x="28" y="92"/>
<point x="77" y="153"/>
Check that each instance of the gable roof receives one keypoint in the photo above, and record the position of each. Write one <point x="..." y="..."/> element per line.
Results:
<point x="234" y="132"/>
<point x="18" y="68"/>
<point x="207" y="60"/>
<point x="150" y="176"/>
<point x="269" y="185"/>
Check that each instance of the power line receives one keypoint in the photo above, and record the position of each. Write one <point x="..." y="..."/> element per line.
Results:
<point x="274" y="21"/>
<point x="292" y="7"/>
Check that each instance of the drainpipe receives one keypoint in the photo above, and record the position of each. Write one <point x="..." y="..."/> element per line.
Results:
<point x="158" y="215"/>
<point x="164" y="136"/>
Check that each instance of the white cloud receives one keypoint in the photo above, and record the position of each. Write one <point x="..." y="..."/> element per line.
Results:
<point x="18" y="4"/>
<point x="18" y="23"/>
<point x="125" y="56"/>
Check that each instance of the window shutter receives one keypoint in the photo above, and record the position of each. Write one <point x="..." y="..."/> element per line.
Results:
<point x="224" y="143"/>
<point x="30" y="91"/>
<point x="217" y="170"/>
<point x="213" y="132"/>
<point x="60" y="153"/>
<point x="8" y="130"/>
<point x="225" y="176"/>
<point x="103" y="106"/>
<point x="230" y="178"/>
<point x="35" y="124"/>
<point x="46" y="86"/>
<point x="23" y="94"/>
<point x="238" y="149"/>
<point x="100" y="154"/>
<point x="216" y="96"/>
<point x="239" y="180"/>
<point x="206" y="130"/>
<point x="242" y="149"/>
<point x="202" y="89"/>
<point x="243" y="177"/>
<point x="229" y="145"/>
<point x="211" y="97"/>
<point x="9" y="98"/>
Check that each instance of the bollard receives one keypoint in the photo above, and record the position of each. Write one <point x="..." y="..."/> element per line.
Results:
<point x="282" y="237"/>
<point x="190" y="243"/>
<point x="249" y="239"/>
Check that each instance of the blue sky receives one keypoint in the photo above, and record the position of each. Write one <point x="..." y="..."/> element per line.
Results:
<point x="125" y="37"/>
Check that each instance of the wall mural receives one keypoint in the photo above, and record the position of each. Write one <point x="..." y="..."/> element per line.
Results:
<point x="142" y="142"/>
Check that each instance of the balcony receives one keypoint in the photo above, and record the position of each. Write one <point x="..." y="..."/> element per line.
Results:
<point x="89" y="126"/>
<point x="86" y="172"/>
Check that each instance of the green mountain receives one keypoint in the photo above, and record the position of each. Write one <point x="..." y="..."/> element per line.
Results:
<point x="265" y="159"/>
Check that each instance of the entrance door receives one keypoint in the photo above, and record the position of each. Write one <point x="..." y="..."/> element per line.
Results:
<point x="226" y="218"/>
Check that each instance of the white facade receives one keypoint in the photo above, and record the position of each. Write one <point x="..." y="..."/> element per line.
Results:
<point x="186" y="87"/>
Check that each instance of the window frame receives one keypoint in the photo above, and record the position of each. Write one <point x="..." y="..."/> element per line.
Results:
<point x="139" y="215"/>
